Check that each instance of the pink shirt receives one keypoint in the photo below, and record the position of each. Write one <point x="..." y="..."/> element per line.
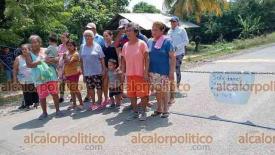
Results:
<point x="60" y="68"/>
<point x="61" y="50"/>
<point x="134" y="57"/>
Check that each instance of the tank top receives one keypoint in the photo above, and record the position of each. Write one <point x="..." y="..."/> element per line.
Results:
<point x="24" y="74"/>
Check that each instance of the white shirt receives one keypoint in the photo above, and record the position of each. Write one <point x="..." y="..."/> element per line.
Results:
<point x="179" y="39"/>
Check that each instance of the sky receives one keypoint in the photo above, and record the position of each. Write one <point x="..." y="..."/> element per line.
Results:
<point x="157" y="3"/>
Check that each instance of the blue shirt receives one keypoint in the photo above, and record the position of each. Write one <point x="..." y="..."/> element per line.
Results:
<point x="8" y="60"/>
<point x="179" y="39"/>
<point x="98" y="39"/>
<point x="91" y="59"/>
<point x="159" y="58"/>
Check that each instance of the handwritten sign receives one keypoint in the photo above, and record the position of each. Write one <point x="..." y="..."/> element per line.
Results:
<point x="231" y="87"/>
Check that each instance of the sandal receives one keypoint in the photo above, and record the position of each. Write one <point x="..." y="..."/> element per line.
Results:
<point x="94" y="106"/>
<point x="165" y="115"/>
<point x="156" y="113"/>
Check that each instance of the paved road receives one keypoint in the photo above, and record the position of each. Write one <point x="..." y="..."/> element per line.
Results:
<point x="190" y="120"/>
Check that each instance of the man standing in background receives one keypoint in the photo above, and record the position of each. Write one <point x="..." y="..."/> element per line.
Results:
<point x="180" y="41"/>
<point x="7" y="58"/>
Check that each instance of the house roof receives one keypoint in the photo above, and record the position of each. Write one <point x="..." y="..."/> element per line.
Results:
<point x="145" y="20"/>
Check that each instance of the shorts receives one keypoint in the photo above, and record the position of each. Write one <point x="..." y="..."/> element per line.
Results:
<point x="45" y="89"/>
<point x="115" y="91"/>
<point x="94" y="81"/>
<point x="73" y="78"/>
<point x="137" y="86"/>
<point x="159" y="81"/>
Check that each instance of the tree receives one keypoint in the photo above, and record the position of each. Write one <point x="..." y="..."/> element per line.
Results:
<point x="183" y="8"/>
<point x="2" y="9"/>
<point x="143" y="7"/>
<point x="21" y="18"/>
<point x="242" y="19"/>
<point x="98" y="11"/>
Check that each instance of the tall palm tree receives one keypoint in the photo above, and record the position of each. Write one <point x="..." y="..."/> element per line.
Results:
<point x="182" y="8"/>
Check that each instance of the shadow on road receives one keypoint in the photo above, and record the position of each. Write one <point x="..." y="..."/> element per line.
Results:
<point x="216" y="118"/>
<point x="119" y="121"/>
<point x="124" y="127"/>
<point x="32" y="124"/>
<point x="35" y="123"/>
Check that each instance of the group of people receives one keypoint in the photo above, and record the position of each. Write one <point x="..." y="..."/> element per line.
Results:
<point x="143" y="66"/>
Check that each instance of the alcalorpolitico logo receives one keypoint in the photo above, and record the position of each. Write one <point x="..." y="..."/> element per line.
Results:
<point x="44" y="138"/>
<point x="186" y="138"/>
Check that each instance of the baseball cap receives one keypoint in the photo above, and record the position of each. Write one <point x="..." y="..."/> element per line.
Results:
<point x="91" y="25"/>
<point x="122" y="23"/>
<point x="174" y="19"/>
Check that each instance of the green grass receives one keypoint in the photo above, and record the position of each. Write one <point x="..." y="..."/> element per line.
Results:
<point x="224" y="48"/>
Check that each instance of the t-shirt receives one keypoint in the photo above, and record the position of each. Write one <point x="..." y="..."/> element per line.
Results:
<point x="8" y="60"/>
<point x="134" y="57"/>
<point x="61" y="50"/>
<point x="114" y="79"/>
<point x="52" y="52"/>
<point x="72" y="68"/>
<point x="159" y="58"/>
<point x="91" y="59"/>
<point x="110" y="53"/>
<point x="60" y="67"/>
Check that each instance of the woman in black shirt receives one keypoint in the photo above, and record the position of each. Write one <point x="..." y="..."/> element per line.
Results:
<point x="110" y="53"/>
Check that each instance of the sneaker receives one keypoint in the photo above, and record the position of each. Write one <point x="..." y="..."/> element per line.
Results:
<point x="132" y="116"/>
<point x="61" y="100"/>
<point x="59" y="114"/>
<point x="143" y="116"/>
<point x="43" y="116"/>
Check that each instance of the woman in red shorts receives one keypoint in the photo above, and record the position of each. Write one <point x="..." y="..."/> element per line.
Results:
<point x="72" y="73"/>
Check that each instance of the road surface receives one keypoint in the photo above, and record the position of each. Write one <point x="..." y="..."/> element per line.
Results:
<point x="199" y="123"/>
